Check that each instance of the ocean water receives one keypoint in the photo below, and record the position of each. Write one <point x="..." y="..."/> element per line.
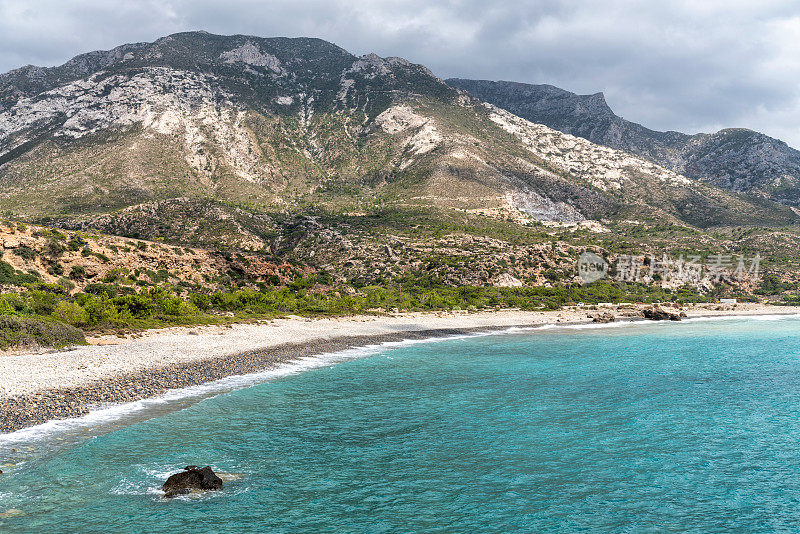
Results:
<point x="690" y="427"/>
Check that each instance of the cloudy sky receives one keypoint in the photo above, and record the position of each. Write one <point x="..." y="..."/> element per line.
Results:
<point x="682" y="65"/>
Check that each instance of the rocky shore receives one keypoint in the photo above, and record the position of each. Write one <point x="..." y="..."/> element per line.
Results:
<point x="36" y="388"/>
<point x="21" y="411"/>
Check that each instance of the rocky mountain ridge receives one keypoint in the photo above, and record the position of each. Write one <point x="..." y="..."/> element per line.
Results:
<point x="735" y="159"/>
<point x="257" y="127"/>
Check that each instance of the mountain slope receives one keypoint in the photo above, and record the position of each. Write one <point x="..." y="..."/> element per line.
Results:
<point x="198" y="137"/>
<point x="735" y="159"/>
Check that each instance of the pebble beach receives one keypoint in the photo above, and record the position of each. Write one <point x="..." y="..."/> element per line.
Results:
<point x="38" y="387"/>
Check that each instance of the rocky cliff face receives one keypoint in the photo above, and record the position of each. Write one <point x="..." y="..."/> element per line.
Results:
<point x="145" y="136"/>
<point x="744" y="161"/>
<point x="734" y="159"/>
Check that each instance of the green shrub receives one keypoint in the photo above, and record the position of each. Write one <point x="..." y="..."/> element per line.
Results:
<point x="10" y="276"/>
<point x="26" y="253"/>
<point x="25" y="332"/>
<point x="20" y="305"/>
<point x="116" y="274"/>
<point x="78" y="272"/>
<point x="66" y="284"/>
<point x="140" y="305"/>
<point x="324" y="277"/>
<point x="302" y="283"/>
<point x="201" y="301"/>
<point x="100" y="310"/>
<point x="6" y="308"/>
<point x="176" y="307"/>
<point x="43" y="302"/>
<point x="161" y="276"/>
<point x="108" y="290"/>
<point x="56" y="269"/>
<point x="54" y="249"/>
<point x="71" y="313"/>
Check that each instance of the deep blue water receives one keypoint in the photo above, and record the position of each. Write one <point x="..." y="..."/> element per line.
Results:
<point x="648" y="428"/>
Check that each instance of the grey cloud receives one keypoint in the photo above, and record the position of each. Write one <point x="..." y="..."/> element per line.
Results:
<point x="681" y="65"/>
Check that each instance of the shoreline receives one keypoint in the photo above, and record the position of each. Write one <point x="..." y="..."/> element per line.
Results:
<point x="38" y="388"/>
<point x="27" y="410"/>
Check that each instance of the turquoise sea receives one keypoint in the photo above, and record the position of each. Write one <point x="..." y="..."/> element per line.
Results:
<point x="650" y="427"/>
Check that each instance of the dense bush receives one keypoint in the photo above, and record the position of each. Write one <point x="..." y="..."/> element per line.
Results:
<point x="107" y="305"/>
<point x="25" y="253"/>
<point x="100" y="311"/>
<point x="56" y="269"/>
<point x="78" y="272"/>
<point x="43" y="302"/>
<point x="139" y="305"/>
<point x="109" y="290"/>
<point x="54" y="248"/>
<point x="26" y="332"/>
<point x="10" y="276"/>
<point x="75" y="243"/>
<point x="5" y="307"/>
<point x="71" y="313"/>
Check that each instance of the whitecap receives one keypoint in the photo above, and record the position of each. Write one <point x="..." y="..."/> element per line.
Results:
<point x="760" y="317"/>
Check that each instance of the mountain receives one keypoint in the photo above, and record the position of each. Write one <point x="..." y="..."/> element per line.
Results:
<point x="220" y="140"/>
<point x="735" y="159"/>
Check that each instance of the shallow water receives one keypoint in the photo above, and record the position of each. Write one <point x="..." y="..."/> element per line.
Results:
<point x="640" y="428"/>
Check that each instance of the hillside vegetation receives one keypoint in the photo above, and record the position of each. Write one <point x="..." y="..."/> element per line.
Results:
<point x="205" y="178"/>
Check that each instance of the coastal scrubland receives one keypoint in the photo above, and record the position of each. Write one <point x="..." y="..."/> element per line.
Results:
<point x="60" y="285"/>
<point x="46" y="315"/>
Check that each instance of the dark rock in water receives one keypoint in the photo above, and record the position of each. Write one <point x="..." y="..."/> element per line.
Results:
<point x="657" y="314"/>
<point x="604" y="318"/>
<point x="192" y="478"/>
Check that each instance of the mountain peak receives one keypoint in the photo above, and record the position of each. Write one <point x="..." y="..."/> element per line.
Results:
<point x="597" y="103"/>
<point x="735" y="158"/>
<point x="283" y="122"/>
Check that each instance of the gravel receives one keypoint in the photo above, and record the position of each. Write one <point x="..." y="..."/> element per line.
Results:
<point x="40" y="387"/>
<point x="36" y="388"/>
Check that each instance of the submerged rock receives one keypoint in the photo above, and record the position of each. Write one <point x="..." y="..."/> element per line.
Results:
<point x="192" y="478"/>
<point x="12" y="512"/>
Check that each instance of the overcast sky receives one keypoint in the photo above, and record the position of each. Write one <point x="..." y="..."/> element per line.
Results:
<point x="682" y="65"/>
